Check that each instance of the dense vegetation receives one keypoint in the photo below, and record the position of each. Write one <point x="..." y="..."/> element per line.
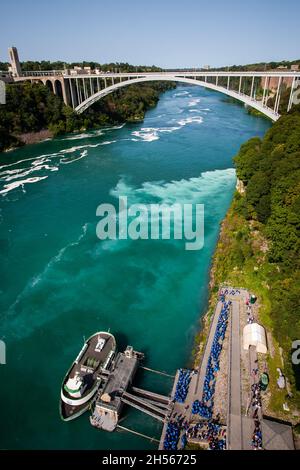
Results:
<point x="262" y="65"/>
<point x="33" y="107"/>
<point x="259" y="247"/>
<point x="31" y="65"/>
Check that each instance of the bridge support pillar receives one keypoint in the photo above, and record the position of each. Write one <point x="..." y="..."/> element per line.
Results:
<point x="78" y="92"/>
<point x="291" y="94"/>
<point x="265" y="90"/>
<point x="240" y="85"/>
<point x="64" y="92"/>
<point x="278" y="93"/>
<point x="73" y="93"/>
<point x="84" y="89"/>
<point x="252" y="87"/>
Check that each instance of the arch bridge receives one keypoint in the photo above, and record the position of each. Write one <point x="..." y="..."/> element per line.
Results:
<point x="251" y="88"/>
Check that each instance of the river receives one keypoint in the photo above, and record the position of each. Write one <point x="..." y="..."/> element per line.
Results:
<point x="59" y="282"/>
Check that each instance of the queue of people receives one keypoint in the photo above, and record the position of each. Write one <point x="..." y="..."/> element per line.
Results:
<point x="182" y="386"/>
<point x="205" y="407"/>
<point x="224" y="292"/>
<point x="200" y="408"/>
<point x="172" y="436"/>
<point x="256" y="403"/>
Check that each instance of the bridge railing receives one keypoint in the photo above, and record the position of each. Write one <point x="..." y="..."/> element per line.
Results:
<point x="83" y="87"/>
<point x="42" y="73"/>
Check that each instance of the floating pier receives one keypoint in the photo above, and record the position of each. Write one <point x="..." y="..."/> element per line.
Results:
<point x="117" y="390"/>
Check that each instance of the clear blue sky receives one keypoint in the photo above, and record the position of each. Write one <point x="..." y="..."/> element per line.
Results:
<point x="166" y="33"/>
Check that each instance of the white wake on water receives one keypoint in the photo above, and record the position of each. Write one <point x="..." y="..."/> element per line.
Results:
<point x="92" y="133"/>
<point x="39" y="164"/>
<point x="189" y="120"/>
<point x="184" y="191"/>
<point x="20" y="183"/>
<point x="194" y="102"/>
<point x="49" y="285"/>
<point x="149" y="134"/>
<point x="182" y="93"/>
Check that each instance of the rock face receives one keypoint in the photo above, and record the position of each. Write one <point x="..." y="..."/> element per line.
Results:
<point x="34" y="137"/>
<point x="240" y="187"/>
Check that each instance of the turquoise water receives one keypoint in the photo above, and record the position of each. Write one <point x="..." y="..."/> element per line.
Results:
<point x="59" y="282"/>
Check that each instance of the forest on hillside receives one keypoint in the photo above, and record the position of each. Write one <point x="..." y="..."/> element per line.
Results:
<point x="33" y="107"/>
<point x="270" y="171"/>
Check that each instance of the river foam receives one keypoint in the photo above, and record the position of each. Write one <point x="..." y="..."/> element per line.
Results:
<point x="149" y="134"/>
<point x="194" y="102"/>
<point x="190" y="120"/>
<point x="43" y="164"/>
<point x="207" y="188"/>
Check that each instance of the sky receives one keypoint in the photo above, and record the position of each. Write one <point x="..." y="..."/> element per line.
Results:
<point x="169" y="34"/>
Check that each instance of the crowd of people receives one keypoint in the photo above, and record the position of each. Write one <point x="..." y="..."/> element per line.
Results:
<point x="210" y="431"/>
<point x="200" y="408"/>
<point x="223" y="292"/>
<point x="182" y="386"/>
<point x="256" y="443"/>
<point x="205" y="407"/>
<point x="172" y="436"/>
<point x="179" y="430"/>
<point x="250" y="314"/>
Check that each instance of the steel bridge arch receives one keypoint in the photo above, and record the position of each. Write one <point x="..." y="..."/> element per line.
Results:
<point x="173" y="78"/>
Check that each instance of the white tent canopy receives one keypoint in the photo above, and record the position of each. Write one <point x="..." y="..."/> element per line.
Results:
<point x="255" y="335"/>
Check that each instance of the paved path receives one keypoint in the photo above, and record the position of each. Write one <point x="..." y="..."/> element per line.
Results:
<point x="234" y="421"/>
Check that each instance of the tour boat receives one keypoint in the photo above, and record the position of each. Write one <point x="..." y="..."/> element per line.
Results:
<point x="86" y="375"/>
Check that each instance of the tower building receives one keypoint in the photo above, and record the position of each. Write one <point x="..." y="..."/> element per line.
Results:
<point x="14" y="61"/>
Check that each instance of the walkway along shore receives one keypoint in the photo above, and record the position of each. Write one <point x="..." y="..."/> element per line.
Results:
<point x="195" y="417"/>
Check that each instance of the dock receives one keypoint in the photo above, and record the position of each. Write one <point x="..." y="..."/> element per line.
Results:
<point x="118" y="390"/>
<point x="191" y="412"/>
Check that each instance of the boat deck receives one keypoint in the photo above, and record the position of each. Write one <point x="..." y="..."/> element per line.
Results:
<point x="90" y="371"/>
<point x="89" y="365"/>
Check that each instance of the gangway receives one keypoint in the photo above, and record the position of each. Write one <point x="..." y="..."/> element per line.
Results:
<point x="144" y="406"/>
<point x="151" y="395"/>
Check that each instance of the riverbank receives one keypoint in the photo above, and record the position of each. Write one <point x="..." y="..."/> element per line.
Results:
<point x="33" y="137"/>
<point x="251" y="274"/>
<point x="32" y="113"/>
<point x="259" y="249"/>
